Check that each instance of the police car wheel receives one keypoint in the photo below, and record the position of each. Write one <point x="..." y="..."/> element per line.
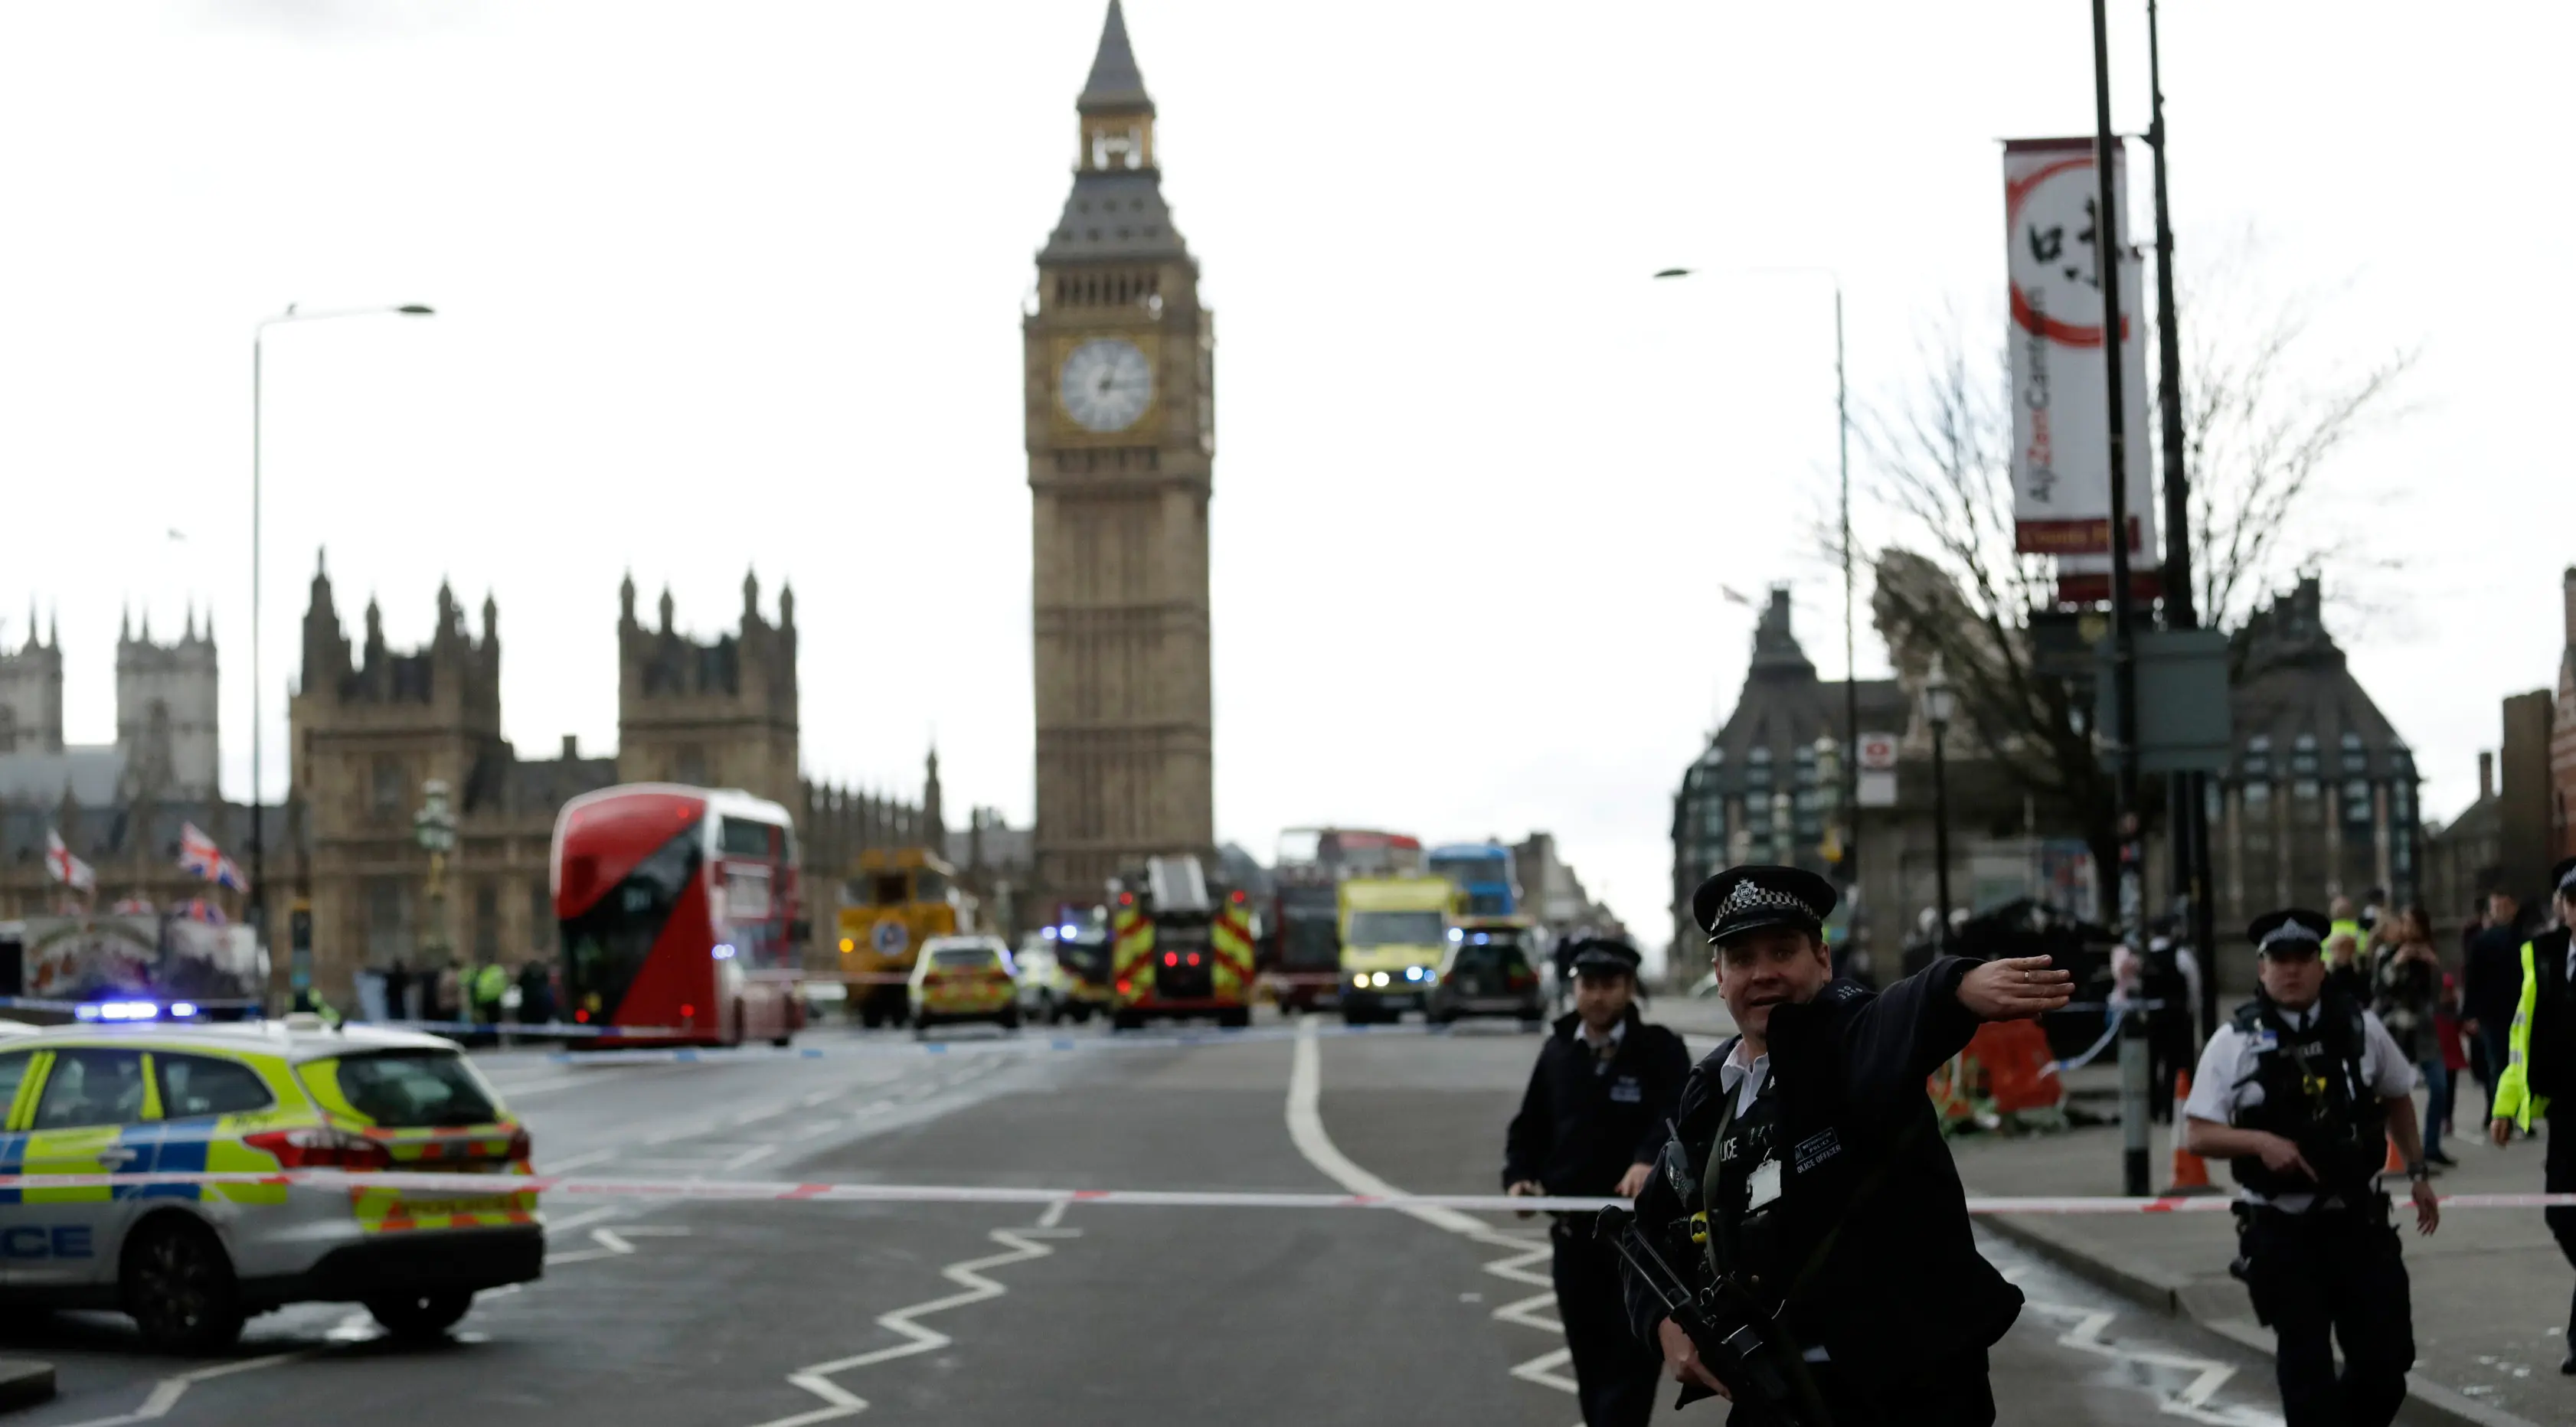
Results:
<point x="178" y="1286"/>
<point x="421" y="1315"/>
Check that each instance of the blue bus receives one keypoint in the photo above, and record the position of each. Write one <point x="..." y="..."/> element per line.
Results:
<point x="1482" y="872"/>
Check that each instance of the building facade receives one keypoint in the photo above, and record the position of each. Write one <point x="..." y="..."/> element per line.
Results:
<point x="1121" y="431"/>
<point x="166" y="746"/>
<point x="2319" y="799"/>
<point x="370" y="725"/>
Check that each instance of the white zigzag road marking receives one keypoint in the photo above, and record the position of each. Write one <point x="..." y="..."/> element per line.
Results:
<point x="1306" y="1130"/>
<point x="166" y="1393"/>
<point x="841" y="1402"/>
<point x="2192" y="1403"/>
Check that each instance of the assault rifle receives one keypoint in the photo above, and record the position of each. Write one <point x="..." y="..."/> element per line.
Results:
<point x="1738" y="1343"/>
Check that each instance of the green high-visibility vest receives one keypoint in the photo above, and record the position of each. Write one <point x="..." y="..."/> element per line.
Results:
<point x="490" y="982"/>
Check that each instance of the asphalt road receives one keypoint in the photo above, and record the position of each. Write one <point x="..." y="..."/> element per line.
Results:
<point x="783" y="1314"/>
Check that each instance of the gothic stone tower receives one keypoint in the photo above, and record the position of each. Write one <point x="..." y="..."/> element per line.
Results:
<point x="721" y="714"/>
<point x="1121" y="433"/>
<point x="165" y="711"/>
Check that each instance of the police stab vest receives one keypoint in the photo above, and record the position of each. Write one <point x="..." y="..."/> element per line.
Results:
<point x="1743" y="1183"/>
<point x="2315" y="1095"/>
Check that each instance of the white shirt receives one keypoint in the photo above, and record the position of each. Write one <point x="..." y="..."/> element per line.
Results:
<point x="1743" y="1075"/>
<point x="2217" y="1094"/>
<point x="1618" y="1033"/>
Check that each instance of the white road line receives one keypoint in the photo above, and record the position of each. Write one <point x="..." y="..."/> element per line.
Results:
<point x="840" y="1401"/>
<point x="166" y="1393"/>
<point x="580" y="1161"/>
<point x="614" y="1243"/>
<point x="820" y="1096"/>
<point x="1054" y="1214"/>
<point x="2192" y="1403"/>
<point x="1306" y="1131"/>
<point x="819" y="1127"/>
<point x="751" y="1156"/>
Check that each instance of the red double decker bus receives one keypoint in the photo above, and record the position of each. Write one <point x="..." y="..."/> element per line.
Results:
<point x="681" y="915"/>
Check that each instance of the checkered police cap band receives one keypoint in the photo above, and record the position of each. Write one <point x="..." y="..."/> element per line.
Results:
<point x="2292" y="930"/>
<point x="1751" y="897"/>
<point x="2567" y="884"/>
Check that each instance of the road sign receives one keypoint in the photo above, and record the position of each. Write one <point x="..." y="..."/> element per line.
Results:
<point x="1878" y="753"/>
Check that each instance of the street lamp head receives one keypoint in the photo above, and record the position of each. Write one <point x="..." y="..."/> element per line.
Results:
<point x="1674" y="272"/>
<point x="415" y="309"/>
<point x="1940" y="703"/>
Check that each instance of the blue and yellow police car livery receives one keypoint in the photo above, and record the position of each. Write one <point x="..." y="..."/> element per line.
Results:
<point x="190" y="1261"/>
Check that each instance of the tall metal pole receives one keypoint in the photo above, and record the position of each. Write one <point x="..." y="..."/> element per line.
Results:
<point x="2124" y="667"/>
<point x="2190" y="814"/>
<point x="1940" y="835"/>
<point x="1851" y="645"/>
<point x="256" y="904"/>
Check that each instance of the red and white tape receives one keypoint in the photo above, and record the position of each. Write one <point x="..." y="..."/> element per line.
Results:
<point x="458" y="1186"/>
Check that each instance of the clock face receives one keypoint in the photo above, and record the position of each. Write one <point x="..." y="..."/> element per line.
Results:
<point x="1105" y="384"/>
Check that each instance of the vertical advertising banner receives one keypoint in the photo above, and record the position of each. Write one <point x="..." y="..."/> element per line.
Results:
<point x="2061" y="457"/>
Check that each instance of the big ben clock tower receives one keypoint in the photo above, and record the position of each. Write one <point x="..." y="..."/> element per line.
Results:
<point x="1121" y="433"/>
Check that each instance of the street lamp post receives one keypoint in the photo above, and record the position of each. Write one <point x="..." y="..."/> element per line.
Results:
<point x="434" y="828"/>
<point x="301" y="974"/>
<point x="1850" y="782"/>
<point x="1940" y="704"/>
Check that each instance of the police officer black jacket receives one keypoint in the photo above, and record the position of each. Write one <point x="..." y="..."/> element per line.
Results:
<point x="1884" y="1271"/>
<point x="1581" y="1123"/>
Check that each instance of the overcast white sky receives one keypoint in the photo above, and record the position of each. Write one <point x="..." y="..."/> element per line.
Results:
<point x="729" y="285"/>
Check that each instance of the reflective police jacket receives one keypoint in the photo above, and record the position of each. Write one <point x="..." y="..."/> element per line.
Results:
<point x="2317" y="1093"/>
<point x="1584" y="1120"/>
<point x="2544" y="1019"/>
<point x="1870" y="1225"/>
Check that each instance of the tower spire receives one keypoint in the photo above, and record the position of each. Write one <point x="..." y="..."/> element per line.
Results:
<point x="1115" y="85"/>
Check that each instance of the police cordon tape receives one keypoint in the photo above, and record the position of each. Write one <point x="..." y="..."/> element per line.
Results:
<point x="462" y="1186"/>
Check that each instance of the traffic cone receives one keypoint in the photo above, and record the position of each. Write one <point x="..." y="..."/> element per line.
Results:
<point x="2190" y="1171"/>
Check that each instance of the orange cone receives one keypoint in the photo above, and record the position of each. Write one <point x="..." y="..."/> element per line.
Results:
<point x="2190" y="1171"/>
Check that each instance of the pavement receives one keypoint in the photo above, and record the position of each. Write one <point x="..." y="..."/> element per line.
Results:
<point x="791" y="1314"/>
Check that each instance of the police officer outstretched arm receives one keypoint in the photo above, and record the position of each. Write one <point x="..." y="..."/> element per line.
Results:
<point x="1605" y="1085"/>
<point x="1807" y="1188"/>
<point x="2302" y="1091"/>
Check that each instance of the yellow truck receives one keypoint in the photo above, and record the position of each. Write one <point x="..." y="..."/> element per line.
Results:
<point x="1394" y="932"/>
<point x="895" y="899"/>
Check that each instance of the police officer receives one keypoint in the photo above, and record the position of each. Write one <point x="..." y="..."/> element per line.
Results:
<point x="1594" y="1114"/>
<point x="2541" y="1077"/>
<point x="2301" y="1092"/>
<point x="1810" y="1147"/>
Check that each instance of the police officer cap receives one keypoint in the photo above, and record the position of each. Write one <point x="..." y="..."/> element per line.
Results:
<point x="2295" y="926"/>
<point x="2563" y="877"/>
<point x="1747" y="899"/>
<point x="1601" y="954"/>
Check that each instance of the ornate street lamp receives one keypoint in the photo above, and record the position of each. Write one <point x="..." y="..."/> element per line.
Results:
<point x="1940" y="704"/>
<point x="434" y="828"/>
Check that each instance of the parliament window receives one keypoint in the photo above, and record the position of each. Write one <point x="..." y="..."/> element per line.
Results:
<point x="2356" y="803"/>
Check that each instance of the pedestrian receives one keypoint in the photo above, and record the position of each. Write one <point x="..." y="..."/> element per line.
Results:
<point x="2455" y="1049"/>
<point x="2301" y="1093"/>
<point x="2407" y="980"/>
<point x="489" y="984"/>
<point x="2346" y="969"/>
<point x="2543" y="1066"/>
<point x="451" y="992"/>
<point x="397" y="992"/>
<point x="2165" y="985"/>
<point x="2490" y="984"/>
<point x="536" y="994"/>
<point x="1813" y="1165"/>
<point x="2341" y="921"/>
<point x="1605" y="1085"/>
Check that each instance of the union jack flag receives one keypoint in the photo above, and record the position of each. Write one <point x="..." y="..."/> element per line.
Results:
<point x="199" y="855"/>
<point x="65" y="868"/>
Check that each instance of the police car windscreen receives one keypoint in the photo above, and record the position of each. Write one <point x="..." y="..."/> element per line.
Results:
<point x="413" y="1089"/>
<point x="965" y="956"/>
<point x="1492" y="957"/>
<point x="1398" y="929"/>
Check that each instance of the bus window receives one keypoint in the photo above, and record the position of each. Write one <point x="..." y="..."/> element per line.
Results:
<point x="742" y="837"/>
<point x="607" y="944"/>
<point x="890" y="890"/>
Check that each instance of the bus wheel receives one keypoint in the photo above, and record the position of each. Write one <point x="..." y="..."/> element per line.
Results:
<point x="869" y="1015"/>
<point x="1126" y="1021"/>
<point x="1234" y="1018"/>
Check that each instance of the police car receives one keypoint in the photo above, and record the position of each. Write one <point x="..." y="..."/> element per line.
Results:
<point x="189" y="1262"/>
